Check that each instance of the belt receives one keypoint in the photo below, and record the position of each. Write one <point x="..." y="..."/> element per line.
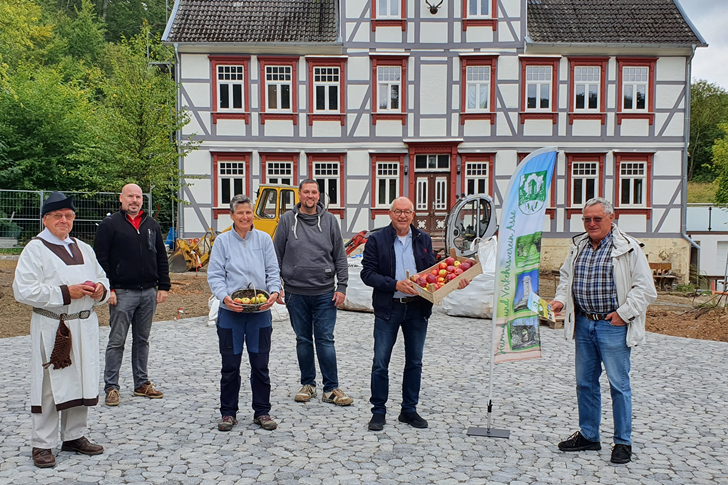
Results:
<point x="406" y="299"/>
<point x="83" y="314"/>
<point x="595" y="316"/>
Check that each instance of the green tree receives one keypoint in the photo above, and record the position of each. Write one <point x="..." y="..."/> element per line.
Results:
<point x="133" y="139"/>
<point x="708" y="108"/>
<point x="720" y="162"/>
<point x="83" y="33"/>
<point x="22" y="33"/>
<point x="127" y="18"/>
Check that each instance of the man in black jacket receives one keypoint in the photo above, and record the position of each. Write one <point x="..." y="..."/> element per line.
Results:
<point x="388" y="255"/>
<point x="130" y="248"/>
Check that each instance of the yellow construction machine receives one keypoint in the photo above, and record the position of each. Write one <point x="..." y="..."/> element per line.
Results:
<point x="273" y="201"/>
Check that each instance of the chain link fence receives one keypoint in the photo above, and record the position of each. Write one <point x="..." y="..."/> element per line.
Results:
<point x="20" y="218"/>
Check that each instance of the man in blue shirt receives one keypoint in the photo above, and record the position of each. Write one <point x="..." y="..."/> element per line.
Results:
<point x="388" y="255"/>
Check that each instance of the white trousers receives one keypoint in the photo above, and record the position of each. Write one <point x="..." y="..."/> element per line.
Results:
<point x="45" y="426"/>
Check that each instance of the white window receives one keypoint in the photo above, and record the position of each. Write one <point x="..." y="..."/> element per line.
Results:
<point x="633" y="180"/>
<point x="230" y="85"/>
<point x="584" y="179"/>
<point x="388" y="9"/>
<point x="476" y="178"/>
<point x="326" y="89"/>
<point x="432" y="162"/>
<point x="387" y="183"/>
<point x="230" y="180"/>
<point x="279" y="172"/>
<point x="634" y="88"/>
<point x="478" y="87"/>
<point x="586" y="88"/>
<point x="538" y="87"/>
<point x="327" y="176"/>
<point x="278" y="83"/>
<point x="388" y="85"/>
<point x="478" y="8"/>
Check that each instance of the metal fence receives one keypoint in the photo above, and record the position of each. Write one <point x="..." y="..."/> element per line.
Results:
<point x="20" y="218"/>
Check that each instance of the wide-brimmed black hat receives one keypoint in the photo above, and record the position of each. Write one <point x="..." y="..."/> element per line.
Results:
<point x="57" y="201"/>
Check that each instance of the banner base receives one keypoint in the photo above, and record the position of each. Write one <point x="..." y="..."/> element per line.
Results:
<point x="489" y="433"/>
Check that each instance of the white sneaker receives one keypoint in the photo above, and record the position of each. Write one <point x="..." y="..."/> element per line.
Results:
<point x="338" y="397"/>
<point x="306" y="393"/>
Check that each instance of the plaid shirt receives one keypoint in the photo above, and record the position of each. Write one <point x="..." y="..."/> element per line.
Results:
<point x="593" y="287"/>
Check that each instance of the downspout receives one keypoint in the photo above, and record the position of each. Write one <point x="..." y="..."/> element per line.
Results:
<point x="684" y="205"/>
<point x="178" y="135"/>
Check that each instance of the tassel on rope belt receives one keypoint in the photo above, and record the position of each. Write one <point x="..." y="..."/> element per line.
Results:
<point x="61" y="355"/>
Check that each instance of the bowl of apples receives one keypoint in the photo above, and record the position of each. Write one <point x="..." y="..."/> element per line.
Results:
<point x="250" y="298"/>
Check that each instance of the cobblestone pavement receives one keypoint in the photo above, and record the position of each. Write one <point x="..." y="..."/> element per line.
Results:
<point x="680" y="404"/>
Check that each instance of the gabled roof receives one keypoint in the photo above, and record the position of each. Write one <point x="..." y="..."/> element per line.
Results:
<point x="610" y="22"/>
<point x="253" y="21"/>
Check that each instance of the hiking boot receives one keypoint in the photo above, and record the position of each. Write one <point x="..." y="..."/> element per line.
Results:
<point x="227" y="423"/>
<point x="112" y="397"/>
<point x="266" y="422"/>
<point x="306" y="393"/>
<point x="338" y="397"/>
<point x="147" y="390"/>
<point x="621" y="454"/>
<point x="377" y="422"/>
<point x="413" y="419"/>
<point x="43" y="458"/>
<point x="83" y="446"/>
<point x="576" y="442"/>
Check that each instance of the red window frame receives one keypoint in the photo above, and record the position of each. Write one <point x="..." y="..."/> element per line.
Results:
<point x="389" y="22"/>
<point x="265" y="157"/>
<point x="488" y="158"/>
<point x="633" y="157"/>
<point x="583" y="157"/>
<point x="427" y="148"/>
<point x="648" y="62"/>
<point x="551" y="211"/>
<point x="218" y="157"/>
<point x="232" y="61"/>
<point x="265" y="61"/>
<point x="601" y="63"/>
<point x="540" y="115"/>
<point x="465" y="61"/>
<point x="328" y="158"/>
<point x="479" y="21"/>
<point x="387" y="158"/>
<point x="389" y="60"/>
<point x="326" y="62"/>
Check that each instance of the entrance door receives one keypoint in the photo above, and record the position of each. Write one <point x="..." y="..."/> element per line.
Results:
<point x="431" y="201"/>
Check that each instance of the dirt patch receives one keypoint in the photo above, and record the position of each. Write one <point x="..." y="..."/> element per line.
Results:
<point x="189" y="292"/>
<point x="678" y="315"/>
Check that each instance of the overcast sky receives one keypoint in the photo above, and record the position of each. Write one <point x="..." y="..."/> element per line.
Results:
<point x="710" y="17"/>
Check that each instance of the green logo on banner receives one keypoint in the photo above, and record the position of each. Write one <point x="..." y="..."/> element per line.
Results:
<point x="532" y="192"/>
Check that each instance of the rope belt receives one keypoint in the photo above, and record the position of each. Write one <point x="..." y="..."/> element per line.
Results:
<point x="83" y="314"/>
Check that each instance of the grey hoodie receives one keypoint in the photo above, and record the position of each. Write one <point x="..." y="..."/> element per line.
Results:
<point x="310" y="252"/>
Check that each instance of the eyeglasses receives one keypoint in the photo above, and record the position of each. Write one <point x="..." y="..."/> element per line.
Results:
<point x="596" y="220"/>
<point x="399" y="212"/>
<point x="58" y="217"/>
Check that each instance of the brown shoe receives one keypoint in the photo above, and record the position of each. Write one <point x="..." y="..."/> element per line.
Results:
<point x="266" y="422"/>
<point x="147" y="390"/>
<point x="112" y="397"/>
<point x="83" y="446"/>
<point x="43" y="458"/>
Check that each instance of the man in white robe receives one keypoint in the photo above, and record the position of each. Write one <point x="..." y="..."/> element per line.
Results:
<point x="62" y="280"/>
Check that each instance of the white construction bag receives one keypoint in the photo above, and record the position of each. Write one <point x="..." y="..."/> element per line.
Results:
<point x="358" y="295"/>
<point x="476" y="299"/>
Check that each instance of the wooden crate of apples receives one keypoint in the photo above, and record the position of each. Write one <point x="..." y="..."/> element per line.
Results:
<point x="438" y="281"/>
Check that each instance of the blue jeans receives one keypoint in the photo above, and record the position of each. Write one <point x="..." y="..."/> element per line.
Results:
<point x="597" y="342"/>
<point x="314" y="317"/>
<point x="135" y="309"/>
<point x="414" y="329"/>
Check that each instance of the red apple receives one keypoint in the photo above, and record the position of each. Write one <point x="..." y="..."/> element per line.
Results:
<point x="422" y="281"/>
<point x="442" y="272"/>
<point x="441" y="279"/>
<point x="431" y="278"/>
<point x="442" y="265"/>
<point x="458" y="272"/>
<point x="450" y="269"/>
<point x="89" y="283"/>
<point x="465" y="265"/>
<point x="440" y="285"/>
<point x="450" y="261"/>
<point x="450" y="277"/>
<point x="436" y="271"/>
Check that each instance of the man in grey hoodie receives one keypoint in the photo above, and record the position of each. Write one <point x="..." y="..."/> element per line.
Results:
<point x="314" y="270"/>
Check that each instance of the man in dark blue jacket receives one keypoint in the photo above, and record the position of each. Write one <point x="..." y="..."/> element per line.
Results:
<point x="388" y="255"/>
